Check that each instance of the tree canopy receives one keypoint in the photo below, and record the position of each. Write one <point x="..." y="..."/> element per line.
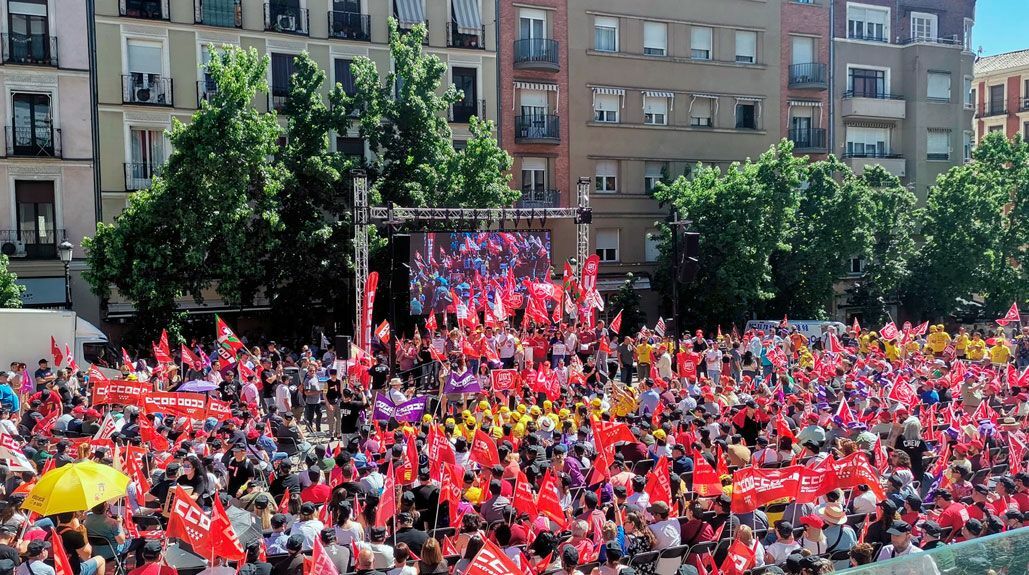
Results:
<point x="10" y="291"/>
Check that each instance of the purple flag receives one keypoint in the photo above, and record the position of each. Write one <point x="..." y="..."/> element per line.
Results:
<point x="409" y="411"/>
<point x="464" y="383"/>
<point x="384" y="407"/>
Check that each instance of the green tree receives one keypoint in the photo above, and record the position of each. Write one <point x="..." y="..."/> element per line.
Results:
<point x="828" y="230"/>
<point x="210" y="219"/>
<point x="627" y="301"/>
<point x="890" y="227"/>
<point x="743" y="216"/>
<point x="481" y="174"/>
<point x="10" y="292"/>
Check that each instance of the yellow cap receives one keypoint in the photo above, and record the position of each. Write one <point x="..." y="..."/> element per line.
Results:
<point x="547" y="404"/>
<point x="659" y="434"/>
<point x="484" y="405"/>
<point x="505" y="410"/>
<point x="596" y="402"/>
<point x="564" y="413"/>
<point x="522" y="409"/>
<point x="535" y="410"/>
<point x="516" y="416"/>
<point x="466" y="414"/>
<point x="449" y="421"/>
<point x="426" y="418"/>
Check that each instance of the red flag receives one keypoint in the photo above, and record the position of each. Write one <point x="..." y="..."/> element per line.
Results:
<point x="430" y="324"/>
<point x="448" y="546"/>
<point x="856" y="328"/>
<point x="1011" y="316"/>
<point x="484" y="450"/>
<point x="71" y="359"/>
<point x="188" y="357"/>
<point x="882" y="461"/>
<point x="889" y="331"/>
<point x="844" y="414"/>
<point x="524" y="499"/>
<point x="440" y="451"/>
<point x="125" y="359"/>
<point x="548" y="502"/>
<point x="189" y="523"/>
<point x="834" y="344"/>
<point x="229" y="343"/>
<point x="95" y="375"/>
<point x="491" y="560"/>
<point x="388" y="502"/>
<point x="284" y="502"/>
<point x="382" y="332"/>
<point x="225" y="543"/>
<point x="902" y="393"/>
<point x="659" y="485"/>
<point x="616" y="323"/>
<point x="921" y="328"/>
<point x="740" y="557"/>
<point x="160" y="356"/>
<point x="62" y="566"/>
<point x="370" y="285"/>
<point x="705" y="478"/>
<point x="163" y="343"/>
<point x="56" y="352"/>
<point x="783" y="428"/>
<point x="321" y="563"/>
<point x="450" y="491"/>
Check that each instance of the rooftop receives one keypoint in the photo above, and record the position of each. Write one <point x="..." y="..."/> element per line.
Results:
<point x="1005" y="61"/>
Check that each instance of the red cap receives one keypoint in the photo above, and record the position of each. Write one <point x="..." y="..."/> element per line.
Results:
<point x="812" y="521"/>
<point x="252" y="435"/>
<point x="235" y="421"/>
<point x="79" y="410"/>
<point x="93" y="413"/>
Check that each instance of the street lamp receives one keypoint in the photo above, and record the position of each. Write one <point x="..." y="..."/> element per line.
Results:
<point x="64" y="251"/>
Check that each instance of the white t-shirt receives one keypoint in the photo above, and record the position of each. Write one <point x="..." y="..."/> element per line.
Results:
<point x="667" y="532"/>
<point x="780" y="551"/>
<point x="713" y="359"/>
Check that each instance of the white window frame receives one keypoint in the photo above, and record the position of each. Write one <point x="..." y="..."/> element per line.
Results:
<point x="742" y="55"/>
<point x="793" y="50"/>
<point x="967" y="86"/>
<point x="967" y="141"/>
<point x="710" y="103"/>
<point x="867" y="138"/>
<point x="652" y="174"/>
<point x="605" y="180"/>
<point x="607" y="24"/>
<point x="932" y="78"/>
<point x="603" y="112"/>
<point x="937" y="142"/>
<point x="605" y="247"/>
<point x="531" y="14"/>
<point x="854" y="10"/>
<point x="654" y="116"/>
<point x="699" y="44"/>
<point x="655" y="38"/>
<point x="934" y="26"/>
<point x="651" y="245"/>
<point x="535" y="166"/>
<point x="967" y="31"/>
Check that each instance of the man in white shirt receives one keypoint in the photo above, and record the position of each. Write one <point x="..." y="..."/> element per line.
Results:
<point x="506" y="345"/>
<point x="667" y="531"/>
<point x="900" y="542"/>
<point x="713" y="361"/>
<point x="865" y="502"/>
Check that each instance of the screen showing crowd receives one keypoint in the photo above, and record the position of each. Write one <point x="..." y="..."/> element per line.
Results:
<point x="444" y="264"/>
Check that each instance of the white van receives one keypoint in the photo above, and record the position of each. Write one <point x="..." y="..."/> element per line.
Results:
<point x="810" y="328"/>
<point x="25" y="336"/>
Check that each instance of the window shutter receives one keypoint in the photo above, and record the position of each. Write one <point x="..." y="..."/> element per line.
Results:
<point x="655" y="35"/>
<point x="939" y="85"/>
<point x="746" y="44"/>
<point x="700" y="38"/>
<point x="144" y="57"/>
<point x="607" y="168"/>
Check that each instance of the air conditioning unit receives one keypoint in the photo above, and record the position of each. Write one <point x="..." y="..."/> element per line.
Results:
<point x="13" y="249"/>
<point x="143" y="94"/>
<point x="286" y="22"/>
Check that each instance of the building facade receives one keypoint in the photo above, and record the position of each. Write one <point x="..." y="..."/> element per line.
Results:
<point x="804" y="81"/>
<point x="46" y="166"/>
<point x="1001" y="94"/>
<point x="901" y="87"/>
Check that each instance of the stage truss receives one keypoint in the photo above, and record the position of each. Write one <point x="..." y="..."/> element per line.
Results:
<point x="483" y="218"/>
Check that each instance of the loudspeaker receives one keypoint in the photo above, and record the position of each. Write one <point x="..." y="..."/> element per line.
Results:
<point x="342" y="347"/>
<point x="692" y="245"/>
<point x="689" y="261"/>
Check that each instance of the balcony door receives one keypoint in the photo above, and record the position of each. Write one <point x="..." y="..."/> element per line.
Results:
<point x="465" y="80"/>
<point x="868" y="83"/>
<point x="534" y="179"/>
<point x="146" y="155"/>
<point x="352" y="6"/>
<point x="800" y="128"/>
<point x="997" y="99"/>
<point x="32" y="125"/>
<point x="803" y="50"/>
<point x="29" y="31"/>
<point x="35" y="204"/>
<point x="532" y="25"/>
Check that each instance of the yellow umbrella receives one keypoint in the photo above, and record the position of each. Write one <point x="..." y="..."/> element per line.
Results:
<point x="76" y="487"/>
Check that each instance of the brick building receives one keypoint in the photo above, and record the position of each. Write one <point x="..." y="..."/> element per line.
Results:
<point x="1001" y="94"/>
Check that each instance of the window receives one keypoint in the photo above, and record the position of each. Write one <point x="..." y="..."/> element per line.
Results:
<point x="605" y="108"/>
<point x="605" y="34"/>
<point x="29" y="32"/>
<point x="345" y="75"/>
<point x="655" y="110"/>
<point x="1025" y="131"/>
<point x="746" y="47"/>
<point x="35" y="211"/>
<point x="867" y="142"/>
<point x="972" y="97"/>
<point x="938" y="87"/>
<point x="938" y="145"/>
<point x="923" y="26"/>
<point x="803" y="50"/>
<point x="868" y="23"/>
<point x="607" y="245"/>
<point x="351" y="149"/>
<point x="607" y="176"/>
<point x="531" y="24"/>
<point x="865" y="83"/>
<point x="655" y="38"/>
<point x="534" y="177"/>
<point x="465" y="80"/>
<point x="700" y="43"/>
<point x="653" y="173"/>
<point x="967" y="144"/>
<point x="700" y="112"/>
<point x="997" y="99"/>
<point x="145" y="70"/>
<point x="968" y="34"/>
<point x="800" y="127"/>
<point x="146" y="155"/>
<point x="282" y="73"/>
<point x="969" y="93"/>
<point x="993" y="129"/>
<point x="32" y="129"/>
<point x="534" y="103"/>
<point x="857" y="265"/>
<point x="652" y="245"/>
<point x="746" y="116"/>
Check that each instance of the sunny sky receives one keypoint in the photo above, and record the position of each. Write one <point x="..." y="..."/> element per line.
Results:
<point x="999" y="26"/>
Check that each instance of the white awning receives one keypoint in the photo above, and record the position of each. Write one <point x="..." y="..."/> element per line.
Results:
<point x="706" y="96"/>
<point x="709" y="96"/>
<point x="610" y="91"/>
<point x="805" y="103"/>
<point x="659" y="94"/>
<point x="748" y="99"/>
<point x="534" y="86"/>
<point x="467" y="17"/>
<point x="410" y="12"/>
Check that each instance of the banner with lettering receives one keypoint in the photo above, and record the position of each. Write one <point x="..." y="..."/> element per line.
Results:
<point x="189" y="405"/>
<point x="463" y="383"/>
<point x="504" y="379"/>
<point x="120" y="392"/>
<point x="411" y="410"/>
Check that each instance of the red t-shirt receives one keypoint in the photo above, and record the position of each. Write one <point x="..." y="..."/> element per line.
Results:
<point x="316" y="493"/>
<point x="954" y="516"/>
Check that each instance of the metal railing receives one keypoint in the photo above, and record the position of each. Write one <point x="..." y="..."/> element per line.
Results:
<point x="277" y="97"/>
<point x="1023" y="104"/>
<point x="868" y="38"/>
<point x="33" y="245"/>
<point x="870" y="94"/>
<point x="40" y="141"/>
<point x="460" y="113"/>
<point x="224" y="13"/>
<point x="146" y="9"/>
<point x="206" y="89"/>
<point x="809" y="138"/>
<point x="543" y="127"/>
<point x="286" y="18"/>
<point x="539" y="198"/>
<point x="138" y="175"/>
<point x="993" y="109"/>
<point x="31" y="49"/>
<point x="536" y="51"/>
<point x="954" y="40"/>
<point x="148" y="89"/>
<point x="812" y="73"/>
<point x="350" y="26"/>
<point x="456" y="39"/>
<point x="886" y="154"/>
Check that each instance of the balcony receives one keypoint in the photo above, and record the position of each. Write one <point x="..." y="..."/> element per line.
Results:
<point x="146" y="9"/>
<point x="534" y="198"/>
<point x="994" y="109"/>
<point x="286" y="18"/>
<point x="810" y="139"/>
<point x="808" y="76"/>
<point x="892" y="163"/>
<point x="405" y="27"/>
<point x="868" y="38"/>
<point x="277" y="98"/>
<point x="461" y="113"/>
<point x="30" y="49"/>
<point x="33" y="142"/>
<point x="458" y="39"/>
<point x="138" y="175"/>
<point x="31" y="244"/>
<point x="536" y="54"/>
<point x="1023" y="105"/>
<point x="954" y="40"/>
<point x="938" y="157"/>
<point x="873" y="105"/>
<point x="350" y="26"/>
<point x="222" y="13"/>
<point x="537" y="129"/>
<point x="206" y="89"/>
<point x="146" y="89"/>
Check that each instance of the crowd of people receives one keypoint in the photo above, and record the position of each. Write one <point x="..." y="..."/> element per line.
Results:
<point x="602" y="452"/>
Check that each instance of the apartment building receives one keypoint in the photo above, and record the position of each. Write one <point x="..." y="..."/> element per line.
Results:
<point x="657" y="87"/>
<point x="804" y="81"/>
<point x="1000" y="94"/>
<point x="902" y="86"/>
<point x="151" y="52"/>
<point x="46" y="162"/>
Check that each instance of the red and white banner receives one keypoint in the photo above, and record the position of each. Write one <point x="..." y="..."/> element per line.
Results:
<point x="120" y="392"/>
<point x="96" y="376"/>
<point x="616" y="323"/>
<point x="321" y="563"/>
<point x="365" y="335"/>
<point x="504" y="379"/>
<point x="889" y="331"/>
<point x="189" y="523"/>
<point x="589" y="274"/>
<point x="1011" y="316"/>
<point x="191" y="405"/>
<point x="491" y="560"/>
<point x="218" y="409"/>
